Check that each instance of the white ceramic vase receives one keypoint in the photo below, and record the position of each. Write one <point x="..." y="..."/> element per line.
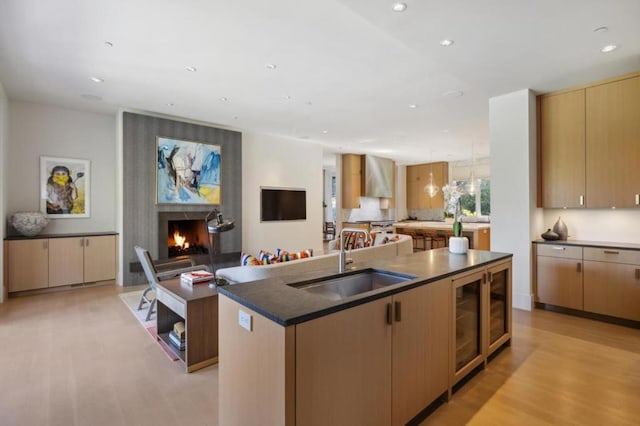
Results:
<point x="458" y="245"/>
<point x="29" y="223"/>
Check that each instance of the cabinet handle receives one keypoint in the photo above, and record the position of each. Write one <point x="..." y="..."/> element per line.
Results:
<point x="398" y="311"/>
<point x="579" y="267"/>
<point x="582" y="200"/>
<point x="86" y="242"/>
<point x="559" y="248"/>
<point x="389" y="314"/>
<point x="637" y="273"/>
<point x="611" y="252"/>
<point x="490" y="277"/>
<point x="81" y="242"/>
<point x="45" y="244"/>
<point x="637" y="199"/>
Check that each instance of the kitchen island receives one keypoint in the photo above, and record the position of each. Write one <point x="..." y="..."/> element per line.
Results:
<point x="291" y="356"/>
<point x="478" y="233"/>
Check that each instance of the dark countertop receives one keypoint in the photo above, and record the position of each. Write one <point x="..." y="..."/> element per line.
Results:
<point x="288" y="305"/>
<point x="49" y="236"/>
<point x="603" y="244"/>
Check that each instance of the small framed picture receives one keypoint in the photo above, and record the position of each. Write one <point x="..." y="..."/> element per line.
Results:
<point x="65" y="187"/>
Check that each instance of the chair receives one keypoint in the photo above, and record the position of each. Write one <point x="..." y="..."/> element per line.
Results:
<point x="421" y="240"/>
<point x="159" y="271"/>
<point x="329" y="229"/>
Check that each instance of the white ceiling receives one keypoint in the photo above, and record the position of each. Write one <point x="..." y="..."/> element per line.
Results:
<point x="350" y="67"/>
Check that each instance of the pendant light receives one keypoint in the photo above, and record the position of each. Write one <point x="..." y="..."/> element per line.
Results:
<point x="470" y="184"/>
<point x="431" y="189"/>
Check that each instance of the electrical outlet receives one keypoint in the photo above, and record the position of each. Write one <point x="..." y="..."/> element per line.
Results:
<point x="245" y="320"/>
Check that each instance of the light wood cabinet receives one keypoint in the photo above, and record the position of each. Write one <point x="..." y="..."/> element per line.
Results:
<point x="612" y="282"/>
<point x="559" y="276"/>
<point x="613" y="137"/>
<point x="481" y="317"/>
<point x="28" y="264"/>
<point x="351" y="180"/>
<point x="53" y="262"/>
<point x="561" y="150"/>
<point x="418" y="177"/>
<point x="587" y="147"/>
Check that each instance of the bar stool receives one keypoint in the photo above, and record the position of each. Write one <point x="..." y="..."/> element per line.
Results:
<point x="421" y="240"/>
<point x="438" y="240"/>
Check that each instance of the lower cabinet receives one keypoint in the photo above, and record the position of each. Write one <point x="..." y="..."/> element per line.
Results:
<point x="559" y="276"/>
<point x="54" y="262"/>
<point x="379" y="363"/>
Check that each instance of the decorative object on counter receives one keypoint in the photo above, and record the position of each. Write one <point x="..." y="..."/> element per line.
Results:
<point x="457" y="244"/>
<point x="550" y="235"/>
<point x="29" y="224"/>
<point x="561" y="229"/>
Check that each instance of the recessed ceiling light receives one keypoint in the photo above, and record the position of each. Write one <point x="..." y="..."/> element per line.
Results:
<point x="170" y="104"/>
<point x="192" y="69"/>
<point x="96" y="79"/>
<point x="271" y="66"/>
<point x="309" y="103"/>
<point x="413" y="106"/>
<point x="453" y="94"/>
<point x="609" y="48"/>
<point x="235" y="117"/>
<point x="446" y="42"/>
<point x="325" y="131"/>
<point x="445" y="131"/>
<point x="601" y="30"/>
<point x="224" y="99"/>
<point x="108" y="43"/>
<point x="91" y="97"/>
<point x="399" y="7"/>
<point x="287" y="97"/>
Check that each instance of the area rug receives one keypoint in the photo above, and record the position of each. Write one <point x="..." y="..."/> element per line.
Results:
<point x="131" y="299"/>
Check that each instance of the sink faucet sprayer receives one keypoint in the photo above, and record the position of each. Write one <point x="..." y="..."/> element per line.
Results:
<point x="344" y="260"/>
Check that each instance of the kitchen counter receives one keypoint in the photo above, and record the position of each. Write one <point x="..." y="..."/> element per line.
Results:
<point x="478" y="233"/>
<point x="287" y="305"/>
<point x="470" y="226"/>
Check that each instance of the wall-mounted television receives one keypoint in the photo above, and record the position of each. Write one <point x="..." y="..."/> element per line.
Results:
<point x="282" y="204"/>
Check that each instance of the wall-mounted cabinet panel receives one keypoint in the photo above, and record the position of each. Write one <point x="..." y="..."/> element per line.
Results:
<point x="351" y="181"/>
<point x="418" y="178"/>
<point x="562" y="150"/>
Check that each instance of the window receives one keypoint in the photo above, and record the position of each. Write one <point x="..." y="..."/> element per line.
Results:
<point x="478" y="204"/>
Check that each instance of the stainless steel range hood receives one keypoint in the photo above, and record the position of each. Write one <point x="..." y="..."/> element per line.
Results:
<point x="378" y="177"/>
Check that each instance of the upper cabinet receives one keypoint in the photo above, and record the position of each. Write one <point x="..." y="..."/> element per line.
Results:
<point x="362" y="177"/>
<point x="351" y="180"/>
<point x="418" y="178"/>
<point x="588" y="146"/>
<point x="562" y="149"/>
<point x="613" y="144"/>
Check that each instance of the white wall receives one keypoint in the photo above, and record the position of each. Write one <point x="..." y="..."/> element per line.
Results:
<point x="515" y="220"/>
<point x="44" y="130"/>
<point x="620" y="225"/>
<point x="279" y="162"/>
<point x="4" y="131"/>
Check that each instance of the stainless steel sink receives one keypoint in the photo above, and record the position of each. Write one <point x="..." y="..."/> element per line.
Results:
<point x="338" y="287"/>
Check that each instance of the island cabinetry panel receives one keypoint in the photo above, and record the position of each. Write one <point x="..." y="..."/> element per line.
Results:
<point x="418" y="178"/>
<point x="54" y="262"/>
<point x="561" y="150"/>
<point x="612" y="282"/>
<point x="351" y="180"/>
<point x="612" y="138"/>
<point x="481" y="317"/>
<point x="559" y="275"/>
<point x="28" y="264"/>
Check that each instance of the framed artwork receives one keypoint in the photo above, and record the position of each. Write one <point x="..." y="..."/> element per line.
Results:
<point x="65" y="185"/>
<point x="187" y="172"/>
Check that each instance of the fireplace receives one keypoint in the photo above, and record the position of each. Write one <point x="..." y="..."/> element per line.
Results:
<point x="186" y="237"/>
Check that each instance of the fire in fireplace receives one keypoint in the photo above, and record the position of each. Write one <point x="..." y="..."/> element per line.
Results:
<point x="187" y="237"/>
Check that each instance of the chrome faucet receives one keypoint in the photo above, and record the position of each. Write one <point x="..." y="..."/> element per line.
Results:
<point x="343" y="259"/>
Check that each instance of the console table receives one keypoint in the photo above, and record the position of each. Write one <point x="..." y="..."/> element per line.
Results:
<point x="197" y="306"/>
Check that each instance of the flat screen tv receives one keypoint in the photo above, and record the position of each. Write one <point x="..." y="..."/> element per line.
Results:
<point x="282" y="204"/>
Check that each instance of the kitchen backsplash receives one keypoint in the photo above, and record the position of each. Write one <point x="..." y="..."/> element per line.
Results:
<point x="620" y="225"/>
<point x="426" y="214"/>
<point x="369" y="210"/>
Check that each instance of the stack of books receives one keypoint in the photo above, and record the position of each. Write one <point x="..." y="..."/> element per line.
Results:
<point x="177" y="336"/>
<point x="196" y="277"/>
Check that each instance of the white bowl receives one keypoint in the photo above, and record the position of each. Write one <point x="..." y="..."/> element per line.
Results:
<point x="29" y="223"/>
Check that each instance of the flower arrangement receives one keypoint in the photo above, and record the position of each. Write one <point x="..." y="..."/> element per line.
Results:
<point x="452" y="194"/>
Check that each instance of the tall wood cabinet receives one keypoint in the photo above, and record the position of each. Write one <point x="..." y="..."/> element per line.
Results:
<point x="418" y="178"/>
<point x="351" y="180"/>
<point x="53" y="262"/>
<point x="588" y="146"/>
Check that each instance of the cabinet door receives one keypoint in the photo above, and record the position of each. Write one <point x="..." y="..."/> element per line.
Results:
<point x="66" y="261"/>
<point x="420" y="349"/>
<point x="413" y="196"/>
<point x="343" y="367"/>
<point x="559" y="281"/>
<point x="440" y="178"/>
<point x="613" y="129"/>
<point x="499" y="312"/>
<point x="562" y="150"/>
<point x="467" y="351"/>
<point x="612" y="289"/>
<point x="351" y="180"/>
<point x="28" y="264"/>
<point x="99" y="258"/>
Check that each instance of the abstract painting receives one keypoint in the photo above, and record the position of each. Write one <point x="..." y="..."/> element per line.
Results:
<point x="64" y="187"/>
<point x="187" y="172"/>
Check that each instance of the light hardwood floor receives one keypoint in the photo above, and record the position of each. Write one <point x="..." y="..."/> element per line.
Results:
<point x="81" y="358"/>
